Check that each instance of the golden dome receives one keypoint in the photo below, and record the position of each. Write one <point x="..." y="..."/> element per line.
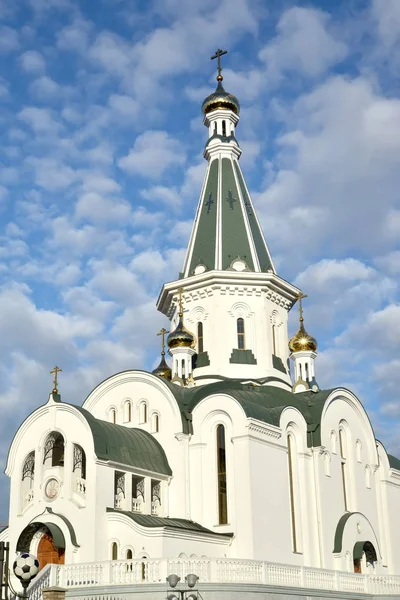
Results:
<point x="181" y="336"/>
<point x="220" y="99"/>
<point x="302" y="340"/>
<point x="163" y="369"/>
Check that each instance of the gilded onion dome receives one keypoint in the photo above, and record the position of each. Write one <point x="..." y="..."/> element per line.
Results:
<point x="163" y="369"/>
<point x="220" y="99"/>
<point x="302" y="340"/>
<point x="181" y="336"/>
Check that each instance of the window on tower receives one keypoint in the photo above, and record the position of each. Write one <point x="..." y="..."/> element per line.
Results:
<point x="224" y="128"/>
<point x="54" y="450"/>
<point x="344" y="467"/>
<point x="221" y="471"/>
<point x="240" y="334"/>
<point x="200" y="338"/>
<point x="293" y="492"/>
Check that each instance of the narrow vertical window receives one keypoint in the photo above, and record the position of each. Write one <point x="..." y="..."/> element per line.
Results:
<point x="143" y="412"/>
<point x="224" y="128"/>
<point x="343" y="465"/>
<point x="156" y="423"/>
<point x="129" y="555"/>
<point x="291" y="459"/>
<point x="113" y="416"/>
<point x="240" y="334"/>
<point x="221" y="470"/>
<point x="114" y="551"/>
<point x="129" y="412"/>
<point x="200" y="337"/>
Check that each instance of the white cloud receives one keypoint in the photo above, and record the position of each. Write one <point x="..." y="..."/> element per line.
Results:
<point x="162" y="195"/>
<point x="152" y="154"/>
<point x="40" y="119"/>
<point x="303" y="44"/>
<point x="387" y="15"/>
<point x="46" y="88"/>
<point x="32" y="62"/>
<point x="8" y="39"/>
<point x="96" y="208"/>
<point x="74" y="37"/>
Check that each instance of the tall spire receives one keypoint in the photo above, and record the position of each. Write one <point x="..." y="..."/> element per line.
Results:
<point x="236" y="303"/>
<point x="226" y="233"/>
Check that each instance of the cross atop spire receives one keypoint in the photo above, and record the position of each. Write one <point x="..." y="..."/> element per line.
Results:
<point x="55" y="372"/>
<point x="163" y="333"/>
<point x="300" y="297"/>
<point x="218" y="55"/>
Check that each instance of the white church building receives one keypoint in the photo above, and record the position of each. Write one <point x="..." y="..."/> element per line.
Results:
<point x="229" y="462"/>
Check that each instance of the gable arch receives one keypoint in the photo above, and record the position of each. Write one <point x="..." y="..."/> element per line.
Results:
<point x="292" y="420"/>
<point x="356" y="406"/>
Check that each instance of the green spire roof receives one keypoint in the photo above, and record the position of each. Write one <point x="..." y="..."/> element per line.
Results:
<point x="226" y="233"/>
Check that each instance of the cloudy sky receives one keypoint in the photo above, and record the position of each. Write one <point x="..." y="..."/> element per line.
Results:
<point x="101" y="167"/>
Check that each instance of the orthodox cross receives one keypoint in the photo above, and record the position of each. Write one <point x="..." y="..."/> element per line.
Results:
<point x="209" y="202"/>
<point x="300" y="297"/>
<point x="55" y="372"/>
<point x="230" y="199"/>
<point x="218" y="55"/>
<point x="163" y="333"/>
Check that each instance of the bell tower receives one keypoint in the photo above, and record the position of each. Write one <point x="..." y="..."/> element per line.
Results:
<point x="237" y="306"/>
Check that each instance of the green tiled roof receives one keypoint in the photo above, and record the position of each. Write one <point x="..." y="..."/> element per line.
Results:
<point x="264" y="403"/>
<point x="129" y="446"/>
<point x="166" y="522"/>
<point x="394" y="462"/>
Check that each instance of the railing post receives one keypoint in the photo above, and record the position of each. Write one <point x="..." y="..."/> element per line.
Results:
<point x="336" y="580"/>
<point x="163" y="569"/>
<point x="53" y="575"/>
<point x="302" y="576"/>
<point x="366" y="583"/>
<point x="213" y="570"/>
<point x="108" y="572"/>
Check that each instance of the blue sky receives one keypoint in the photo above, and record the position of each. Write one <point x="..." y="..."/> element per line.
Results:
<point x="101" y="167"/>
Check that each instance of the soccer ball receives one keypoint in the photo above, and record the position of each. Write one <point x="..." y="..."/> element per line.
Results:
<point x="26" y="567"/>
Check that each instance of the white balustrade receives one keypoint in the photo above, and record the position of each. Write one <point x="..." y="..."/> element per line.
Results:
<point x="137" y="504"/>
<point x="209" y="570"/>
<point x="80" y="486"/>
<point x="29" y="497"/>
<point x="155" y="507"/>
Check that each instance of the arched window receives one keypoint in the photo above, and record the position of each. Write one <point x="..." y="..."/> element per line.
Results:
<point x="129" y="554"/>
<point x="293" y="484"/>
<point x="200" y="339"/>
<point x="53" y="455"/>
<point x="240" y="334"/>
<point x="221" y="473"/>
<point x="143" y="412"/>
<point x="114" y="551"/>
<point x="127" y="411"/>
<point x="28" y="469"/>
<point x="112" y="415"/>
<point x="368" y="476"/>
<point x="344" y="466"/>
<point x="156" y="423"/>
<point x="358" y="450"/>
<point x="28" y="479"/>
<point x="223" y="128"/>
<point x="79" y="464"/>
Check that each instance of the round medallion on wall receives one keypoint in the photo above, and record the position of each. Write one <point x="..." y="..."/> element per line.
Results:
<point x="52" y="489"/>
